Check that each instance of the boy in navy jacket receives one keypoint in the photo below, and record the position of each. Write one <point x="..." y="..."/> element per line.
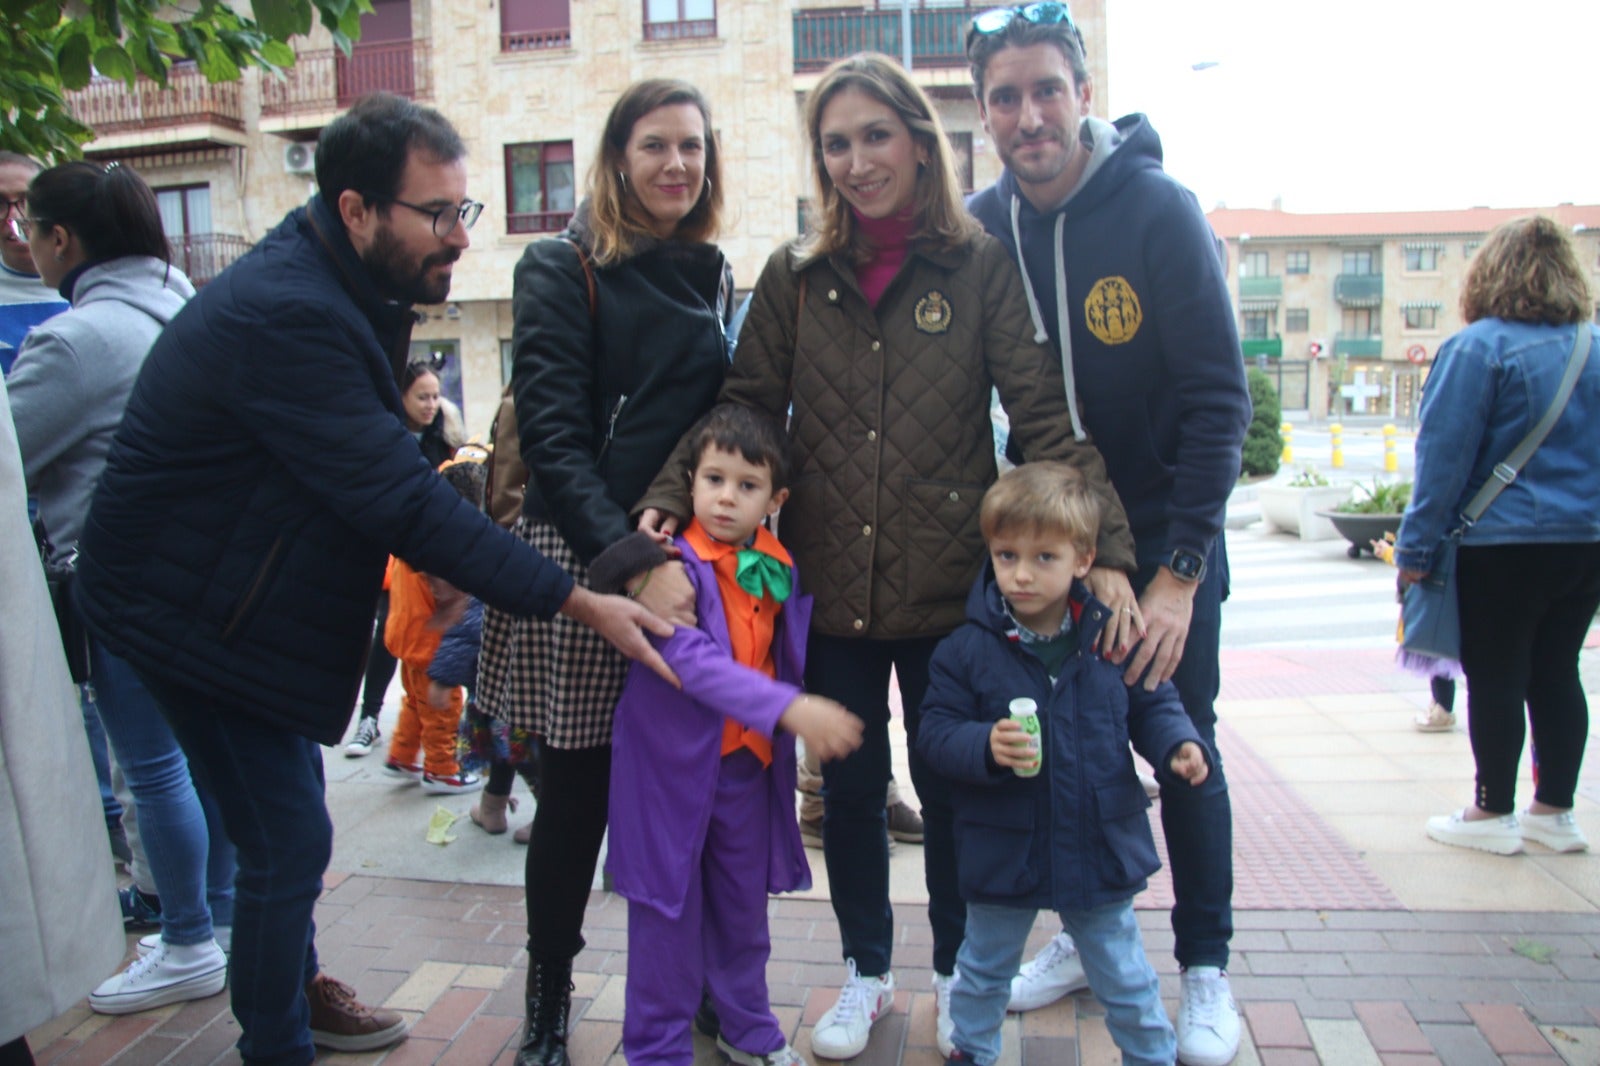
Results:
<point x="1075" y="838"/>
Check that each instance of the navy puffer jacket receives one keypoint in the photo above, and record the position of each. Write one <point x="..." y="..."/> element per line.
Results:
<point x="263" y="471"/>
<point x="1077" y="835"/>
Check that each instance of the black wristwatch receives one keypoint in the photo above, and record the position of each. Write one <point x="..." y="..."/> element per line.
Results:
<point x="1187" y="565"/>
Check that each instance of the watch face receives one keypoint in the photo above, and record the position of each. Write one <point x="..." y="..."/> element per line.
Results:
<point x="1187" y="564"/>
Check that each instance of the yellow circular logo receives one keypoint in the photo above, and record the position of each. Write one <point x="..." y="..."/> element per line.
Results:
<point x="1112" y="311"/>
<point x="933" y="313"/>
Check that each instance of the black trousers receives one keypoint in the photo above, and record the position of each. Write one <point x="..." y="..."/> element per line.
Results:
<point x="1525" y="610"/>
<point x="855" y="845"/>
<point x="568" y="827"/>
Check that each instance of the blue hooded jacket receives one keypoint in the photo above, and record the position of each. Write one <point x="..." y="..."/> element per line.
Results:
<point x="1076" y="836"/>
<point x="1154" y="358"/>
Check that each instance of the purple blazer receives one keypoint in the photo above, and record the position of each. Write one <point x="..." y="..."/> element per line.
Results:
<point x="666" y="749"/>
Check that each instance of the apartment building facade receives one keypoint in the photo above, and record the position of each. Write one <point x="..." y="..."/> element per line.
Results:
<point x="1347" y="311"/>
<point x="529" y="83"/>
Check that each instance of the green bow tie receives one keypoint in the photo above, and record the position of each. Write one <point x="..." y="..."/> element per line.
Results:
<point x="760" y="572"/>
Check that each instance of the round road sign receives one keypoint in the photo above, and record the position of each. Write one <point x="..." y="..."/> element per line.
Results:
<point x="1416" y="353"/>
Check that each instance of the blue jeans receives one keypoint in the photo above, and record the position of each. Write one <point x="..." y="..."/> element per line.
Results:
<point x="190" y="858"/>
<point x="855" y="840"/>
<point x="272" y="796"/>
<point x="1112" y="950"/>
<point x="99" y="754"/>
<point x="1198" y="822"/>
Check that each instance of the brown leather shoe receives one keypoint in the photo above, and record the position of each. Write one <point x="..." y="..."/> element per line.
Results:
<point x="340" y="1022"/>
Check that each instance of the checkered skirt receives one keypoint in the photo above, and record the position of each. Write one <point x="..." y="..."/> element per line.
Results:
<point x="558" y="679"/>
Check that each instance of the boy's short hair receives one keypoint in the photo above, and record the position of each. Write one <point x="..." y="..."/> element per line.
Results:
<point x="1047" y="497"/>
<point x="468" y="477"/>
<point x="757" y="436"/>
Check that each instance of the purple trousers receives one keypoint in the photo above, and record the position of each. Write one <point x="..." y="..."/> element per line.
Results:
<point x="719" y="943"/>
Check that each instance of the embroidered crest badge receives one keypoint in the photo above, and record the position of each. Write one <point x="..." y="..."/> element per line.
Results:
<point x="1112" y="311"/>
<point x="933" y="313"/>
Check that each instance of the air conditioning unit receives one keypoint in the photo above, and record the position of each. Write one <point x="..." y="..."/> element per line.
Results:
<point x="299" y="157"/>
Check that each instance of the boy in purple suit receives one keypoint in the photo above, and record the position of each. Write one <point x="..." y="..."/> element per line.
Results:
<point x="702" y="781"/>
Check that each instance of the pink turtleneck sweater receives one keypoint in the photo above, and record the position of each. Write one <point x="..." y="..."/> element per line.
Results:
<point x="890" y="238"/>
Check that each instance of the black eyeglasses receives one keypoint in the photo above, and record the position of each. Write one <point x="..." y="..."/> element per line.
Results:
<point x="1042" y="13"/>
<point x="19" y="206"/>
<point x="444" y="218"/>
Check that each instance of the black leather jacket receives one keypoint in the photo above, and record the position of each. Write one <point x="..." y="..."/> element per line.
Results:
<point x="603" y="397"/>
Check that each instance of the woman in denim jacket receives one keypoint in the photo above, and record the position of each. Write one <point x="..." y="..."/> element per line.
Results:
<point x="1528" y="572"/>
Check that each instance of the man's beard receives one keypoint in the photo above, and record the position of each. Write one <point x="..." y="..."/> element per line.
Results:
<point x="398" y="278"/>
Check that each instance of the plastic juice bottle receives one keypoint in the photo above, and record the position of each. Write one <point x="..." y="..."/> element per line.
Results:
<point x="1025" y="712"/>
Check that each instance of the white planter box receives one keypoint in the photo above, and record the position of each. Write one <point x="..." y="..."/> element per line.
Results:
<point x="1294" y="510"/>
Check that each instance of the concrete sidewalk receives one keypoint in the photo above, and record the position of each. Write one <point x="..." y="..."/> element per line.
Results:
<point x="1358" y="940"/>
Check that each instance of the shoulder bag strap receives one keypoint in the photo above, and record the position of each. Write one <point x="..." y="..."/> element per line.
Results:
<point x="1506" y="472"/>
<point x="588" y="276"/>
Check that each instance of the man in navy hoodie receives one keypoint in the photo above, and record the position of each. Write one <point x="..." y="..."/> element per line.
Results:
<point x="1123" y="275"/>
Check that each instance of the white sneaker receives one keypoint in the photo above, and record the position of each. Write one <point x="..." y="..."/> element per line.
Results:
<point x="1055" y="972"/>
<point x="1558" y="832"/>
<point x="784" y="1056"/>
<point x="366" y="736"/>
<point x="1208" y="1020"/>
<point x="842" y="1031"/>
<point x="171" y="973"/>
<point x="222" y="934"/>
<point x="1501" y="836"/>
<point x="944" y="1026"/>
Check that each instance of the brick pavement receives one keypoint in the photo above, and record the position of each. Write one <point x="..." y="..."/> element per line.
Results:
<point x="1330" y="965"/>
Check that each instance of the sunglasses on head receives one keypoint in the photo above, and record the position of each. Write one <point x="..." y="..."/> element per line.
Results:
<point x="1042" y="13"/>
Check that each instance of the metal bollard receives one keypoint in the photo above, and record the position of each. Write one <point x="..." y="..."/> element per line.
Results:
<point x="1286" y="431"/>
<point x="1336" y="438"/>
<point x="1391" y="461"/>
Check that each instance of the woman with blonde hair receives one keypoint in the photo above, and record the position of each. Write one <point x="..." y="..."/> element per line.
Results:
<point x="1528" y="569"/>
<point x="886" y="328"/>
<point x="619" y="347"/>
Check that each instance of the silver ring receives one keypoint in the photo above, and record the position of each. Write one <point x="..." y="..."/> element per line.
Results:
<point x="1127" y="610"/>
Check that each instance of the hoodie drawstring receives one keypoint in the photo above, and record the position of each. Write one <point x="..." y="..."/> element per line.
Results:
<point x="1063" y="322"/>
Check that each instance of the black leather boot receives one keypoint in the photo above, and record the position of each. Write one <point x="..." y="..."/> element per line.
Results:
<point x="544" y="1041"/>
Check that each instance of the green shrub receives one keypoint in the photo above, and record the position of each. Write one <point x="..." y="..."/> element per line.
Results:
<point x="1378" y="498"/>
<point x="1263" y="444"/>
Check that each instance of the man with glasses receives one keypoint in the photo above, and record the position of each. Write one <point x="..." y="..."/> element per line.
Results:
<point x="235" y="548"/>
<point x="25" y="301"/>
<point x="1123" y="273"/>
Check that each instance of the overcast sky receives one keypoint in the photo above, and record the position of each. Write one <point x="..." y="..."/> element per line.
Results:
<point x="1367" y="105"/>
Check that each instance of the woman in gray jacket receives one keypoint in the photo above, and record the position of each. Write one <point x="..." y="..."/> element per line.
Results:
<point x="96" y="236"/>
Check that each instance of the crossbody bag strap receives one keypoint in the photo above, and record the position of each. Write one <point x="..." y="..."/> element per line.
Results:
<point x="1506" y="472"/>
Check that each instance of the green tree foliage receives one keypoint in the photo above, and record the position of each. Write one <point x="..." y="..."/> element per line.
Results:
<point x="1263" y="444"/>
<point x="50" y="47"/>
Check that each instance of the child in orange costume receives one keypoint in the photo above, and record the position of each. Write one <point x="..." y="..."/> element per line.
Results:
<point x="416" y="625"/>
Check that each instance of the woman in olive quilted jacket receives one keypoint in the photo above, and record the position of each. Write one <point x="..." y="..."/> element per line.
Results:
<point x="886" y="328"/>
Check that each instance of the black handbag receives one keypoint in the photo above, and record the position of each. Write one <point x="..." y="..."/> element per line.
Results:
<point x="59" y="576"/>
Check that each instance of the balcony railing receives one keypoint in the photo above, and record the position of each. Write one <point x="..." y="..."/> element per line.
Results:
<point x="1358" y="345"/>
<point x="538" y="222"/>
<point x="107" y="105"/>
<point x="1358" y="290"/>
<point x="203" y="256"/>
<point x="938" y="35"/>
<point x="1260" y="288"/>
<point x="536" y="40"/>
<point x="692" y="29"/>
<point x="328" y="80"/>
<point x="1271" y="347"/>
